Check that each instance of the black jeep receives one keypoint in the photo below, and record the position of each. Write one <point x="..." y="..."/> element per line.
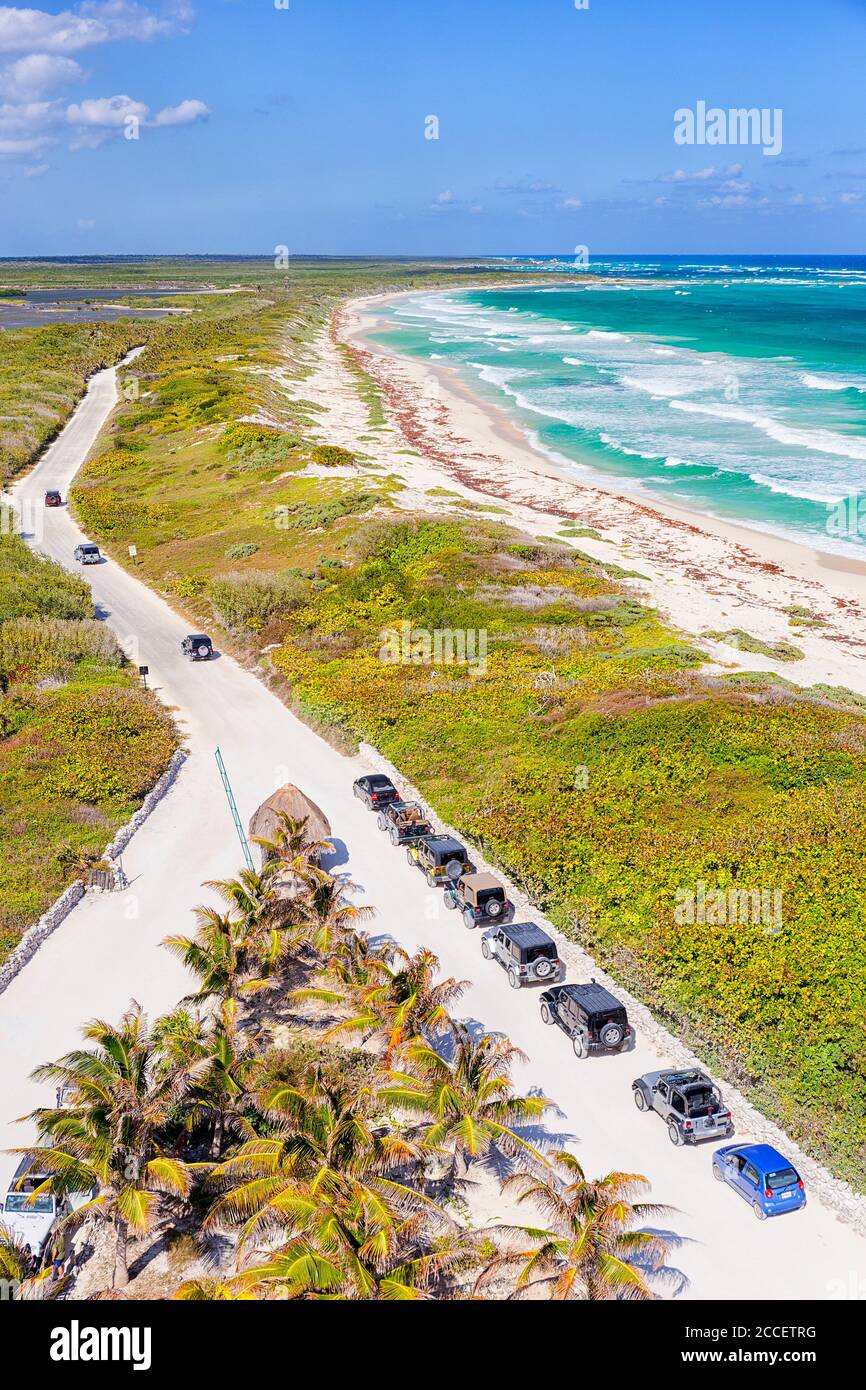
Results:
<point x="526" y="952"/>
<point x="480" y="898"/>
<point x="441" y="858"/>
<point x="591" y="1016"/>
<point x="197" y="647"/>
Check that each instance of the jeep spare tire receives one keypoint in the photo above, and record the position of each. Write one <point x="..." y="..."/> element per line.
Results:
<point x="543" y="968"/>
<point x="202" y="649"/>
<point x="494" y="908"/>
<point x="612" y="1034"/>
<point x="454" y="869"/>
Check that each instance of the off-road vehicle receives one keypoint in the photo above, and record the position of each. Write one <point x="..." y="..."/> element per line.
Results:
<point x="88" y="555"/>
<point x="197" y="647"/>
<point x="689" y="1103"/>
<point x="479" y="897"/>
<point x="525" y="951"/>
<point x="26" y="1216"/>
<point x="375" y="791"/>
<point x="404" y="821"/>
<point x="441" y="858"/>
<point x="53" y="498"/>
<point x="591" y="1016"/>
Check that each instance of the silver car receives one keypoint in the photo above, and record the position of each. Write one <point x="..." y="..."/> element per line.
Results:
<point x="689" y="1102"/>
<point x="31" y="1218"/>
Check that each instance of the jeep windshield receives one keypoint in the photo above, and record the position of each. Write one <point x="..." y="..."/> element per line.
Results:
<point x="786" y="1177"/>
<point x="540" y="953"/>
<point x="20" y="1201"/>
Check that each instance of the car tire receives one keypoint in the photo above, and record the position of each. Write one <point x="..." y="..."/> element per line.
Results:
<point x="381" y="821"/>
<point x="514" y="979"/>
<point x="469" y="921"/>
<point x="579" y="1047"/>
<point x="410" y="856"/>
<point x="612" y="1034"/>
<point x="546" y="1015"/>
<point x="674" y="1134"/>
<point x="640" y="1099"/>
<point x="431" y="882"/>
<point x="450" y="902"/>
<point x="393" y="836"/>
<point x="485" y="949"/>
<point x="717" y="1173"/>
<point x="759" y="1211"/>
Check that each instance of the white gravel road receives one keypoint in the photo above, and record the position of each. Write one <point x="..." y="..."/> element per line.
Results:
<point x="107" y="950"/>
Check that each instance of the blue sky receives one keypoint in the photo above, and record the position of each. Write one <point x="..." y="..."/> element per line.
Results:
<point x="255" y="127"/>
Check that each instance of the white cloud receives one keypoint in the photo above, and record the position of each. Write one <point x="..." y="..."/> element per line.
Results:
<point x="850" y="198"/>
<point x="37" y="76"/>
<point x="100" y="21"/>
<point x="105" y="112"/>
<point x="445" y="198"/>
<point x="85" y="224"/>
<point x="573" y="203"/>
<point x="186" y="113"/>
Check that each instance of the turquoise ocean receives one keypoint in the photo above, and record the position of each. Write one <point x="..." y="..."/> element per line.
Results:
<point x="734" y="387"/>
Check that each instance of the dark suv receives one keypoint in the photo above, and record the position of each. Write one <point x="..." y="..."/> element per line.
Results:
<point x="480" y="898"/>
<point x="591" y="1016"/>
<point x="526" y="952"/>
<point x="375" y="791"/>
<point x="197" y="647"/>
<point x="441" y="858"/>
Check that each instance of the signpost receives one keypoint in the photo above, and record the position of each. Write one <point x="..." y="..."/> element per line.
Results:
<point x="144" y="672"/>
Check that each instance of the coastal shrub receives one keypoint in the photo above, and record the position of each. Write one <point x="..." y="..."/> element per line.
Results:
<point x="745" y="642"/>
<point x="31" y="586"/>
<point x="331" y="456"/>
<point x="246" y="602"/>
<point x="315" y="516"/>
<point x="241" y="550"/>
<point x="37" y="647"/>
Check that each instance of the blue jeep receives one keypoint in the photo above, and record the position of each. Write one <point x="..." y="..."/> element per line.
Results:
<point x="762" y="1176"/>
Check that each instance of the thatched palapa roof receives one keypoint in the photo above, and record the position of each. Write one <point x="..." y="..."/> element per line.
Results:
<point x="289" y="801"/>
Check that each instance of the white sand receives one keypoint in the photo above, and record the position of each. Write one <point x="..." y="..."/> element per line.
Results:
<point x="701" y="573"/>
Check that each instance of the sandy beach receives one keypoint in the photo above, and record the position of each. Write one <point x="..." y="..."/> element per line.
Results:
<point x="702" y="573"/>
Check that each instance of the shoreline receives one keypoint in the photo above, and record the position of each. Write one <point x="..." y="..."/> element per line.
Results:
<point x="702" y="571"/>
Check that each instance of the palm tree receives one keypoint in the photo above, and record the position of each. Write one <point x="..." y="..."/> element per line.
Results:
<point x="348" y="1243"/>
<point x="220" y="1063"/>
<point x="469" y="1096"/>
<point x="401" y="1001"/>
<point x="261" y="913"/>
<point x="108" y="1138"/>
<point x="213" y="1291"/>
<point x="322" y="910"/>
<point x="591" y="1249"/>
<point x="318" y="1132"/>
<point x="219" y="954"/>
<point x="290" y="846"/>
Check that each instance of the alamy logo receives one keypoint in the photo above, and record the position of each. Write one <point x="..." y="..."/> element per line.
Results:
<point x="721" y="907"/>
<point x="77" y="1343"/>
<point x="405" y="645"/>
<point x="739" y="125"/>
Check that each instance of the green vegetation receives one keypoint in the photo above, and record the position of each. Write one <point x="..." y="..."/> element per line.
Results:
<point x="80" y="743"/>
<point x="745" y="642"/>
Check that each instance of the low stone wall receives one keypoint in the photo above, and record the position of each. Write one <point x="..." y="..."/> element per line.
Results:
<point x="71" y="897"/>
<point x="839" y="1196"/>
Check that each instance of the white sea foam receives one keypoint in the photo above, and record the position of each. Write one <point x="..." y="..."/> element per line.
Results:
<point x="819" y="441"/>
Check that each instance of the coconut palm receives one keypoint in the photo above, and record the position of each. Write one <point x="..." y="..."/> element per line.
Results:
<point x="290" y="846"/>
<point x="349" y="1243"/>
<point x="468" y="1096"/>
<point x="219" y="954"/>
<point x="220" y="1063"/>
<point x="260" y="911"/>
<point x="107" y="1139"/>
<point x="322" y="911"/>
<point x="214" y="1291"/>
<point x="329" y="1135"/>
<point x="400" y="1002"/>
<point x="591" y="1249"/>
